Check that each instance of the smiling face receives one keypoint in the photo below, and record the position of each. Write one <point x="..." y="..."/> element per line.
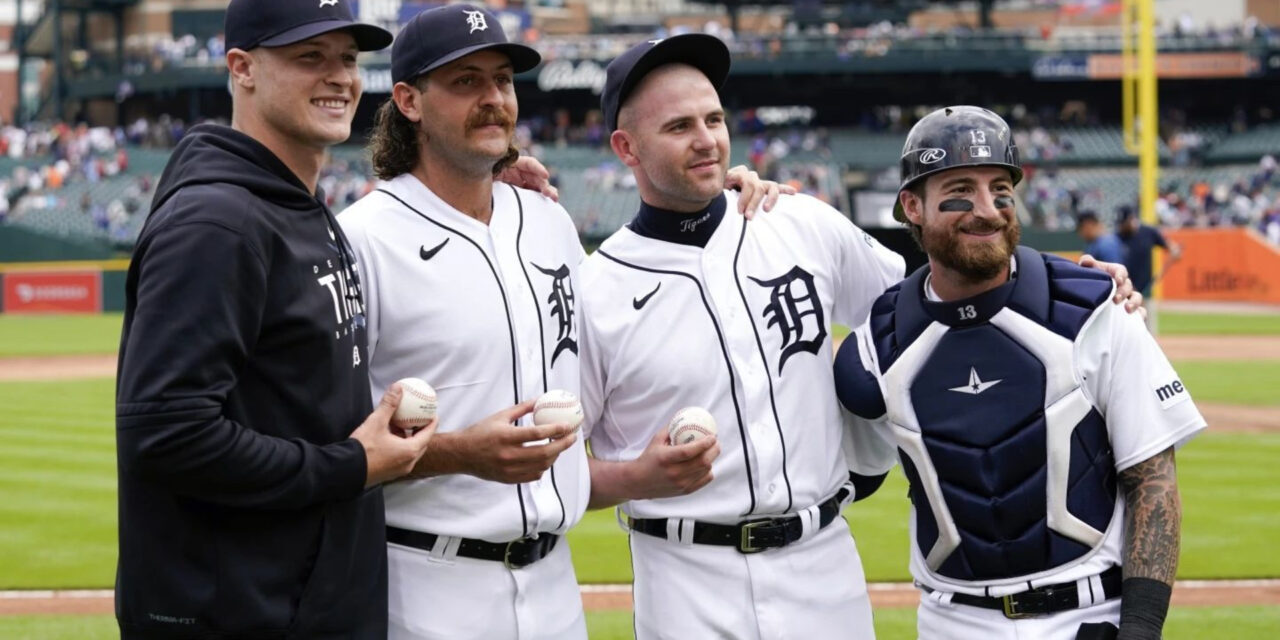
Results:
<point x="672" y="134"/>
<point x="307" y="92"/>
<point x="968" y="222"/>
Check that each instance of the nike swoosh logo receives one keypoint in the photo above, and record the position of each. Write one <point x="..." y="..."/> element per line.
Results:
<point x="640" y="302"/>
<point x="427" y="254"/>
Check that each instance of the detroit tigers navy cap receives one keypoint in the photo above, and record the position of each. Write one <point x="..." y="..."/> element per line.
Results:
<point x="707" y="53"/>
<point x="439" y="36"/>
<point x="276" y="23"/>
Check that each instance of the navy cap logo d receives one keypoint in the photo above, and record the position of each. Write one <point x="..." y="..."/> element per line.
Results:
<point x="475" y="20"/>
<point x="328" y="3"/>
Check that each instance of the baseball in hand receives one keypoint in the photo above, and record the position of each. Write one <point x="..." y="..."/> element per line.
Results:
<point x="558" y="407"/>
<point x="691" y="423"/>
<point x="417" y="405"/>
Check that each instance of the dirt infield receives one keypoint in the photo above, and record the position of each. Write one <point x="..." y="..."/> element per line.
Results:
<point x="1221" y="347"/>
<point x="58" y="367"/>
<point x="1187" y="593"/>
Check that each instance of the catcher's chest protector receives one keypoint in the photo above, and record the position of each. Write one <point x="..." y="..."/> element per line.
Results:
<point x="1010" y="466"/>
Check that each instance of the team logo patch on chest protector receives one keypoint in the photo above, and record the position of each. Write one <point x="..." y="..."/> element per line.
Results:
<point x="796" y="310"/>
<point x="1010" y="466"/>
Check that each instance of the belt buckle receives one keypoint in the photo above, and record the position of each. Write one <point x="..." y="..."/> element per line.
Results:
<point x="1011" y="608"/>
<point x="745" y="529"/>
<point x="506" y="555"/>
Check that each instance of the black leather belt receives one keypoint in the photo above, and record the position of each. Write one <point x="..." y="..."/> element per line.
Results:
<point x="514" y="554"/>
<point x="1042" y="600"/>
<point x="748" y="536"/>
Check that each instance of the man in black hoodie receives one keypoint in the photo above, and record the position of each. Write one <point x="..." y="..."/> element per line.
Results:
<point x="250" y="455"/>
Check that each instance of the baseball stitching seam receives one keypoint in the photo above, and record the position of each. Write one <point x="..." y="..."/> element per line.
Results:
<point x="395" y="422"/>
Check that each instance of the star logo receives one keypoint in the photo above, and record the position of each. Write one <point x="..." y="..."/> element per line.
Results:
<point x="328" y="3"/>
<point x="976" y="385"/>
<point x="475" y="20"/>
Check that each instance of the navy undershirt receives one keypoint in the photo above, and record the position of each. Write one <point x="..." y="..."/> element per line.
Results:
<point x="694" y="229"/>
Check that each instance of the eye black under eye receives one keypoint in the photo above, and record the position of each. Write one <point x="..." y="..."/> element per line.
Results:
<point x="955" y="204"/>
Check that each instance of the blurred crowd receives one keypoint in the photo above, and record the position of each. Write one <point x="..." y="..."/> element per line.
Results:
<point x="38" y="163"/>
<point x="769" y="38"/>
<point x="1251" y="200"/>
<point x="50" y="169"/>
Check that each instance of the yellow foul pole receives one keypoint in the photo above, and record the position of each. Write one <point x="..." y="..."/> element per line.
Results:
<point x="1140" y="108"/>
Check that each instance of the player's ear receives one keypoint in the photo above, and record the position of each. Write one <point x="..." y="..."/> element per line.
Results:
<point x="624" y="147"/>
<point x="241" y="66"/>
<point x="912" y="206"/>
<point x="405" y="97"/>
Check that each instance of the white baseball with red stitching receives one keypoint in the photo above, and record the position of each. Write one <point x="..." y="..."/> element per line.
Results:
<point x="558" y="407"/>
<point x="691" y="423"/>
<point x="417" y="406"/>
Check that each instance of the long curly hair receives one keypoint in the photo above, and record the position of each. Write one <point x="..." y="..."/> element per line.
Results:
<point x="394" y="140"/>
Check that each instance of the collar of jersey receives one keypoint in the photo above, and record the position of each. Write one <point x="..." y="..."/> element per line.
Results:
<point x="408" y="187"/>
<point x="978" y="309"/>
<point x="681" y="228"/>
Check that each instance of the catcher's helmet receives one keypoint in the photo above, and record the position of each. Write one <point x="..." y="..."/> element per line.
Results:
<point x="956" y="137"/>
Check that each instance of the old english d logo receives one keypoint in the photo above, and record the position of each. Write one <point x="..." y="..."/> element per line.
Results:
<point x="476" y="21"/>
<point x="792" y="299"/>
<point x="561" y="301"/>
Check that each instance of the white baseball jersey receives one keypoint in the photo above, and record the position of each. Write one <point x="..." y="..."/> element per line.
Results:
<point x="1120" y="371"/>
<point x="741" y="328"/>
<point x="486" y="315"/>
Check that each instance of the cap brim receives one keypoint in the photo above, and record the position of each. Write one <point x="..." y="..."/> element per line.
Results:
<point x="522" y="58"/>
<point x="707" y="53"/>
<point x="368" y="37"/>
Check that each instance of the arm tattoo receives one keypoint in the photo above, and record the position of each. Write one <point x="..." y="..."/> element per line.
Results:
<point x="1153" y="518"/>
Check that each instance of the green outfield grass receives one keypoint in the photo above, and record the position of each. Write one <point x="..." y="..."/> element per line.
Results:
<point x="1230" y="490"/>
<point x="40" y="335"/>
<point x="1190" y="323"/>
<point x="58" y="477"/>
<point x="1230" y="487"/>
<point x="1181" y="323"/>
<point x="57" y="473"/>
<point x="57" y="523"/>
<point x="1248" y="382"/>
<point x="78" y="334"/>
<point x="1208" y="623"/>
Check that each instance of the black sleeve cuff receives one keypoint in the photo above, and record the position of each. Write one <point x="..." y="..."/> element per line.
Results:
<point x="864" y="486"/>
<point x="1144" y="603"/>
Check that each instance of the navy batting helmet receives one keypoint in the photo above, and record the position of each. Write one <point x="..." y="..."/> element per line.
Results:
<point x="956" y="137"/>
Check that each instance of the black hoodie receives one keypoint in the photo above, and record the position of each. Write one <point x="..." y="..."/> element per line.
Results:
<point x="242" y="374"/>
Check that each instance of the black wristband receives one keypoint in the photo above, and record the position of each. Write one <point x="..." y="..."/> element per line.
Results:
<point x="1144" y="603"/>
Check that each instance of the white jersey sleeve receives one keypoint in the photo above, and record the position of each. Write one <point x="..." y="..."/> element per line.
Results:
<point x="592" y="366"/>
<point x="865" y="268"/>
<point x="1147" y="407"/>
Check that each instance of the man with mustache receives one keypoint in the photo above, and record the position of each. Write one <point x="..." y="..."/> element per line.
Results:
<point x="1035" y="422"/>
<point x="471" y="285"/>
